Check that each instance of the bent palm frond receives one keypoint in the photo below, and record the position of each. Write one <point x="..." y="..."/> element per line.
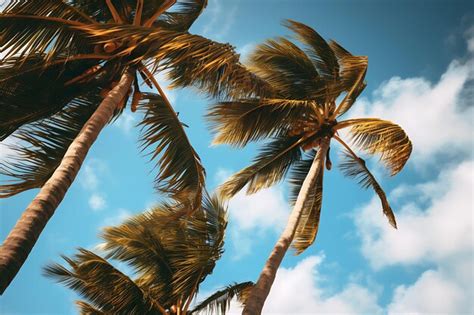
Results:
<point x="189" y="59"/>
<point x="98" y="281"/>
<point x="239" y="122"/>
<point x="318" y="50"/>
<point x="41" y="145"/>
<point x="287" y="69"/>
<point x="87" y="309"/>
<point x="355" y="167"/>
<point x="268" y="168"/>
<point x="350" y="66"/>
<point x="381" y="136"/>
<point x="219" y="302"/>
<point x="308" y="224"/>
<point x="180" y="173"/>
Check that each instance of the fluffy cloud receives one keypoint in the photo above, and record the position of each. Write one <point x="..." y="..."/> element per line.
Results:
<point x="435" y="228"/>
<point x="254" y="215"/>
<point x="434" y="115"/>
<point x="299" y="290"/>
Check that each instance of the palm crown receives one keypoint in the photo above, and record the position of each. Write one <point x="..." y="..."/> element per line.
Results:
<point x="75" y="52"/>
<point x="299" y="115"/>
<point x="170" y="258"/>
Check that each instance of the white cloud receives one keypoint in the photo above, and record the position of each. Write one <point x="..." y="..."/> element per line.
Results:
<point x="245" y="51"/>
<point x="436" y="227"/>
<point x="89" y="176"/>
<point x="119" y="217"/>
<point x="426" y="234"/>
<point x="299" y="290"/>
<point x="97" y="201"/>
<point x="431" y="114"/>
<point x="254" y="215"/>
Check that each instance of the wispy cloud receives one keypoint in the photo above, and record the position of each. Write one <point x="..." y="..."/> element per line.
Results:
<point x="254" y="216"/>
<point x="90" y="182"/>
<point x="220" y="19"/>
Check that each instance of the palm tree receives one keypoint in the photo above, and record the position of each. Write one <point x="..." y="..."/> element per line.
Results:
<point x="69" y="67"/>
<point x="300" y="117"/>
<point x="170" y="258"/>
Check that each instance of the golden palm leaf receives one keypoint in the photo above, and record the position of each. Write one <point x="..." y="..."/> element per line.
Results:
<point x="355" y="167"/>
<point x="381" y="136"/>
<point x="241" y="121"/>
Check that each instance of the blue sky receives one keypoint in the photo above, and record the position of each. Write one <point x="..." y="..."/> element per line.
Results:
<point x="421" y="57"/>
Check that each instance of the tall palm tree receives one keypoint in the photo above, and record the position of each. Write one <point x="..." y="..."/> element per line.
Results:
<point x="301" y="118"/>
<point x="69" y="67"/>
<point x="170" y="258"/>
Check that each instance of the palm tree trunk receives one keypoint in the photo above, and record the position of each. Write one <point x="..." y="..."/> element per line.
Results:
<point x="19" y="243"/>
<point x="260" y="291"/>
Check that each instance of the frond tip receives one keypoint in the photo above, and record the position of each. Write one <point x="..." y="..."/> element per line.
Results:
<point x="381" y="136"/>
<point x="354" y="167"/>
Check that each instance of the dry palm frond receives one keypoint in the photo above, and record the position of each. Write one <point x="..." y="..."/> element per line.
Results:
<point x="171" y="256"/>
<point x="41" y="145"/>
<point x="102" y="284"/>
<point x="268" y="168"/>
<point x="180" y="173"/>
<point x="22" y="102"/>
<point x="352" y="95"/>
<point x="318" y="50"/>
<point x="308" y="224"/>
<point x="219" y="302"/>
<point x="239" y="122"/>
<point x="381" y="136"/>
<point x="189" y="59"/>
<point x="185" y="15"/>
<point x="350" y="66"/>
<point x="355" y="167"/>
<point x="287" y="69"/>
<point x="42" y="26"/>
<point x="87" y="309"/>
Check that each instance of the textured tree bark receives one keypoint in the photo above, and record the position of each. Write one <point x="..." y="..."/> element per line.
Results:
<point x="260" y="291"/>
<point x="22" y="238"/>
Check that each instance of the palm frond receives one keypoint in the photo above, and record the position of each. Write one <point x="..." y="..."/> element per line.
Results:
<point x="190" y="60"/>
<point x="102" y="284"/>
<point x="268" y="168"/>
<point x="22" y="102"/>
<point x="87" y="309"/>
<point x="170" y="255"/>
<point x="308" y="224"/>
<point x="184" y="16"/>
<point x="41" y="145"/>
<point x="355" y="167"/>
<point x="287" y="69"/>
<point x="350" y="66"/>
<point x="219" y="302"/>
<point x="239" y="122"/>
<point x="381" y="136"/>
<point x="41" y="27"/>
<point x="180" y="173"/>
<point x="319" y="51"/>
